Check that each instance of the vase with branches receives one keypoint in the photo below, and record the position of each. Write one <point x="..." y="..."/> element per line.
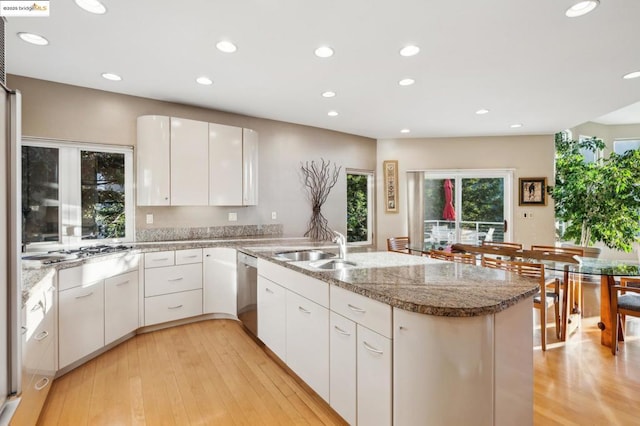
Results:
<point x="319" y="179"/>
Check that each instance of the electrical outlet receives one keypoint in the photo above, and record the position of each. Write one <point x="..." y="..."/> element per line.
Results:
<point x="233" y="217"/>
<point x="274" y="215"/>
<point x="149" y="218"/>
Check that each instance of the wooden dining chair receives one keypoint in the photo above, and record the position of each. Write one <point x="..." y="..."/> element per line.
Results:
<point x="625" y="300"/>
<point x="398" y="244"/>
<point x="550" y="298"/>
<point x="503" y="244"/>
<point x="452" y="257"/>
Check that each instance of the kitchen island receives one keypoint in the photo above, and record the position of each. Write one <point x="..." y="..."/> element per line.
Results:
<point x="395" y="338"/>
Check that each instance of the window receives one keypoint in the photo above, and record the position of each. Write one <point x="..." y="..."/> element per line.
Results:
<point x="359" y="207"/>
<point x="590" y="156"/>
<point x="620" y="146"/>
<point x="74" y="193"/>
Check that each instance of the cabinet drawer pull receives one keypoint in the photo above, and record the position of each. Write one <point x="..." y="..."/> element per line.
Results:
<point x="42" y="335"/>
<point x="175" y="307"/>
<point x="268" y="290"/>
<point x="341" y="331"/>
<point x="303" y="310"/>
<point x="371" y="348"/>
<point x="86" y="295"/>
<point x="164" y="259"/>
<point x="122" y="283"/>
<point x="41" y="384"/>
<point x="38" y="306"/>
<point x="24" y="329"/>
<point x="175" y="279"/>
<point x="193" y="256"/>
<point x="356" y="309"/>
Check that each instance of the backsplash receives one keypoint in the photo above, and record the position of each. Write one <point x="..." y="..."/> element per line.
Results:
<point x="207" y="232"/>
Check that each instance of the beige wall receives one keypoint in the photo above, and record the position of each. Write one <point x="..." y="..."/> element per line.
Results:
<point x="60" y="111"/>
<point x="528" y="156"/>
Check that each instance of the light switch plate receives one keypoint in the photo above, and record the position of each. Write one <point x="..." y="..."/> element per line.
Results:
<point x="149" y="218"/>
<point x="233" y="217"/>
<point x="274" y="215"/>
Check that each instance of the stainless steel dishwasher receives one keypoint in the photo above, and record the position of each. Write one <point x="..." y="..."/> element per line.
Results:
<point x="248" y="292"/>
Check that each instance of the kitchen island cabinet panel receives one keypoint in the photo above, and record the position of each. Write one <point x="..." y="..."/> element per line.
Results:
<point x="272" y="316"/>
<point x="443" y="369"/>
<point x="307" y="342"/>
<point x="374" y="378"/>
<point x="342" y="366"/>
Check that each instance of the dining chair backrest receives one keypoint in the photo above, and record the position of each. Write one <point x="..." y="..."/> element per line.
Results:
<point x="625" y="300"/>
<point x="453" y="257"/>
<point x="505" y="244"/>
<point x="399" y="244"/>
<point x="527" y="269"/>
<point x="559" y="250"/>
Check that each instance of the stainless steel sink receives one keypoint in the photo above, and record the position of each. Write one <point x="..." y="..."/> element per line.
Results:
<point x="334" y="264"/>
<point x="305" y="255"/>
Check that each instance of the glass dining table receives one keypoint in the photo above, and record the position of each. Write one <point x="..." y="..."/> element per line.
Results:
<point x="609" y="271"/>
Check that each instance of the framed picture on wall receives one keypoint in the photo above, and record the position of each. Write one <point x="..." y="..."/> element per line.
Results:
<point x="390" y="186"/>
<point x="532" y="192"/>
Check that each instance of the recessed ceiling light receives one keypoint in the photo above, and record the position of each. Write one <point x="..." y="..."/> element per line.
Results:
<point x="324" y="52"/>
<point x="482" y="111"/>
<point x="581" y="7"/>
<point x="111" y="76"/>
<point x="516" y="126"/>
<point x="205" y="81"/>
<point x="92" y="6"/>
<point x="405" y="131"/>
<point x="406" y="82"/>
<point x="328" y="94"/>
<point x="226" y="46"/>
<point x="410" y="50"/>
<point x="332" y="113"/>
<point x="631" y="75"/>
<point x="33" y="39"/>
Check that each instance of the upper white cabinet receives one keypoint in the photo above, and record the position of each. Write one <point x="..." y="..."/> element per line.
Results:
<point x="153" y="161"/>
<point x="189" y="164"/>
<point x="185" y="162"/>
<point x="249" y="167"/>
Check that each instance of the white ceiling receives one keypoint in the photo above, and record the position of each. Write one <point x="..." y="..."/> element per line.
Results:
<point x="521" y="59"/>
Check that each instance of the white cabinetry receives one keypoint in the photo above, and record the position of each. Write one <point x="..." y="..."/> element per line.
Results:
<point x="249" y="167"/>
<point x="172" y="285"/>
<point x="233" y="166"/>
<point x="342" y="367"/>
<point x="308" y="342"/>
<point x="439" y="362"/>
<point x="361" y="358"/>
<point x="220" y="270"/>
<point x="81" y="321"/>
<point x="120" y="306"/>
<point x="225" y="165"/>
<point x="183" y="162"/>
<point x="86" y="304"/>
<point x="38" y="349"/>
<point x="272" y="317"/>
<point x="153" y="160"/>
<point x="189" y="162"/>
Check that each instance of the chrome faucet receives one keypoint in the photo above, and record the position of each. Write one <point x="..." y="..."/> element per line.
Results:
<point x="341" y="240"/>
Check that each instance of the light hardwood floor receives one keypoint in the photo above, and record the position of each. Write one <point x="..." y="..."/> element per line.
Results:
<point x="212" y="373"/>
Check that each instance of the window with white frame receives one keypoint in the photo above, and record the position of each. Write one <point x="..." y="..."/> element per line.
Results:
<point x="590" y="156"/>
<point x="620" y="146"/>
<point x="76" y="193"/>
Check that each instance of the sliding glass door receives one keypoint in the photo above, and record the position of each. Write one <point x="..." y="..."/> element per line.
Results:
<point x="467" y="206"/>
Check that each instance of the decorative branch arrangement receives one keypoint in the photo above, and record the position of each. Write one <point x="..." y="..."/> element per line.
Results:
<point x="319" y="179"/>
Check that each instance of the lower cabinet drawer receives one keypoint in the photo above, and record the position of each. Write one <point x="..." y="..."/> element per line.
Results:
<point x="170" y="307"/>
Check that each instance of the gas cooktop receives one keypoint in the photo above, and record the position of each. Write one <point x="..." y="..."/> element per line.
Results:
<point x="73" y="254"/>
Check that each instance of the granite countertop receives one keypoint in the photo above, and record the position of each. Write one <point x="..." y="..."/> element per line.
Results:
<point x="413" y="283"/>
